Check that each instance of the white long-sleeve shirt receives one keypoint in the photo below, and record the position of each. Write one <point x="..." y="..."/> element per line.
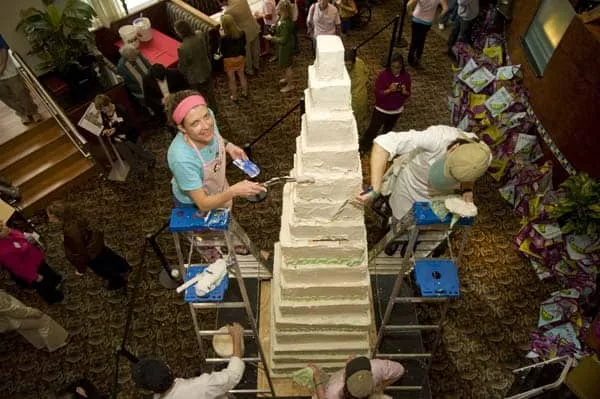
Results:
<point x="207" y="386"/>
<point x="425" y="147"/>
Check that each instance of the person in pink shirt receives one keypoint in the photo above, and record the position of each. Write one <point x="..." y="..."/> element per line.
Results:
<point x="25" y="261"/>
<point x="359" y="379"/>
<point x="422" y="19"/>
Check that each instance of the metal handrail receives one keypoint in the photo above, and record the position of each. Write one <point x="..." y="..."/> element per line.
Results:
<point x="56" y="111"/>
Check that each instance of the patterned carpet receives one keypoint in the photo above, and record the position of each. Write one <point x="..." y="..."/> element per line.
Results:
<point x="487" y="330"/>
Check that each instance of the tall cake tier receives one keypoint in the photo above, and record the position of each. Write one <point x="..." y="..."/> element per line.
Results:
<point x="329" y="62"/>
<point x="328" y="127"/>
<point x="321" y="304"/>
<point x="331" y="94"/>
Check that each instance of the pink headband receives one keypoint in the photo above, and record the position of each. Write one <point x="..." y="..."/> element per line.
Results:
<point x="185" y="106"/>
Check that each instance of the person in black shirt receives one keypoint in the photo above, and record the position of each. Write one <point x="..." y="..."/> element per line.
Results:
<point x="233" y="49"/>
<point x="122" y="133"/>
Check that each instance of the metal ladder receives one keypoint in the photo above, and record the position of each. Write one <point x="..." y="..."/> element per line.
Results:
<point x="225" y="238"/>
<point x="429" y="232"/>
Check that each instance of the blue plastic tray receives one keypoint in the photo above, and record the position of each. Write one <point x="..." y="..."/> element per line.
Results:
<point x="424" y="216"/>
<point x="215" y="295"/>
<point x="190" y="219"/>
<point x="437" y="277"/>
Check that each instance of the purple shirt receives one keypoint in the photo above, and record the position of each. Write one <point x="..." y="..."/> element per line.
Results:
<point x="392" y="101"/>
<point x="382" y="370"/>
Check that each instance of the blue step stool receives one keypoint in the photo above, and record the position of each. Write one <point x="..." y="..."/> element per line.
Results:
<point x="424" y="216"/>
<point x="437" y="277"/>
<point x="190" y="219"/>
<point x="215" y="295"/>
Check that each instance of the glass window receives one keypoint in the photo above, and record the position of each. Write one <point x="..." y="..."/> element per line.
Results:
<point x="545" y="32"/>
<point x="136" y="5"/>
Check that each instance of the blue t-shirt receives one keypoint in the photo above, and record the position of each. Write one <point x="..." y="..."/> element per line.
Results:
<point x="187" y="169"/>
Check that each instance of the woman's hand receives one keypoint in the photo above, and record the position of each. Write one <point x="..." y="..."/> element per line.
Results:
<point x="268" y="37"/>
<point x="235" y="152"/>
<point x="246" y="188"/>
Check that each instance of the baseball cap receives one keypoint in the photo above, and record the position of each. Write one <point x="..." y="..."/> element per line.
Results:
<point x="468" y="162"/>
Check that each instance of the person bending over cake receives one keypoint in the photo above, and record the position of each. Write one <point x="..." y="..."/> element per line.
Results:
<point x="197" y="157"/>
<point x="361" y="378"/>
<point x="440" y="160"/>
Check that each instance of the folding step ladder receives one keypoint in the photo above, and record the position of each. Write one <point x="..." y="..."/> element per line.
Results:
<point x="218" y="229"/>
<point x="420" y="280"/>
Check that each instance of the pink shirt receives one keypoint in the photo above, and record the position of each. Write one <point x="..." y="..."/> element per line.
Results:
<point x="324" y="21"/>
<point x="20" y="257"/>
<point x="382" y="370"/>
<point x="425" y="10"/>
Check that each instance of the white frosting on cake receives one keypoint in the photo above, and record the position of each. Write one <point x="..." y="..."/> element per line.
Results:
<point x="330" y="94"/>
<point x="342" y="158"/>
<point x="328" y="127"/>
<point x="329" y="62"/>
<point x="321" y="304"/>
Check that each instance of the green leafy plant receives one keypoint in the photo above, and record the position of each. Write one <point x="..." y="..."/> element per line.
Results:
<point x="58" y="37"/>
<point x="578" y="208"/>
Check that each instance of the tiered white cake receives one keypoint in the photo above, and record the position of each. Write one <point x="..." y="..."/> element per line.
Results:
<point x="321" y="308"/>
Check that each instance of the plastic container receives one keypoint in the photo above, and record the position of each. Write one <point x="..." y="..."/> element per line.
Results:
<point x="144" y="29"/>
<point x="128" y="34"/>
<point x="223" y="344"/>
<point x="215" y="295"/>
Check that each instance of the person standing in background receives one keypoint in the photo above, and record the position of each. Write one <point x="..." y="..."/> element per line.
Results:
<point x="392" y="89"/>
<point x="233" y="48"/>
<point x="242" y="15"/>
<point x="158" y="84"/>
<point x="132" y="66"/>
<point x="269" y="17"/>
<point x="468" y="10"/>
<point x="284" y="37"/>
<point x="359" y="79"/>
<point x="194" y="62"/>
<point x="85" y="247"/>
<point x="347" y="9"/>
<point x="35" y="326"/>
<point x="422" y="19"/>
<point x="13" y="91"/>
<point x="323" y="19"/>
<point x="449" y="16"/>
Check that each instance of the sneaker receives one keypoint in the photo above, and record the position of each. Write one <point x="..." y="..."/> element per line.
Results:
<point x="441" y="26"/>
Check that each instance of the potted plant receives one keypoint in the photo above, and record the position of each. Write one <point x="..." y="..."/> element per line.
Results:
<point x="60" y="38"/>
<point x="578" y="207"/>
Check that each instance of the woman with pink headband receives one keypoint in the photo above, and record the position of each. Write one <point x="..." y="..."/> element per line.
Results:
<point x="197" y="156"/>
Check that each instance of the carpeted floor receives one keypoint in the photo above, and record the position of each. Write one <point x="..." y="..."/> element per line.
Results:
<point x="487" y="330"/>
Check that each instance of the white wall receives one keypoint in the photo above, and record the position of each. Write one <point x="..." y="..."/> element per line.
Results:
<point x="9" y="17"/>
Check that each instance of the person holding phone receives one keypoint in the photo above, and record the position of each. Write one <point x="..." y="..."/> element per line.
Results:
<point x="392" y="89"/>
